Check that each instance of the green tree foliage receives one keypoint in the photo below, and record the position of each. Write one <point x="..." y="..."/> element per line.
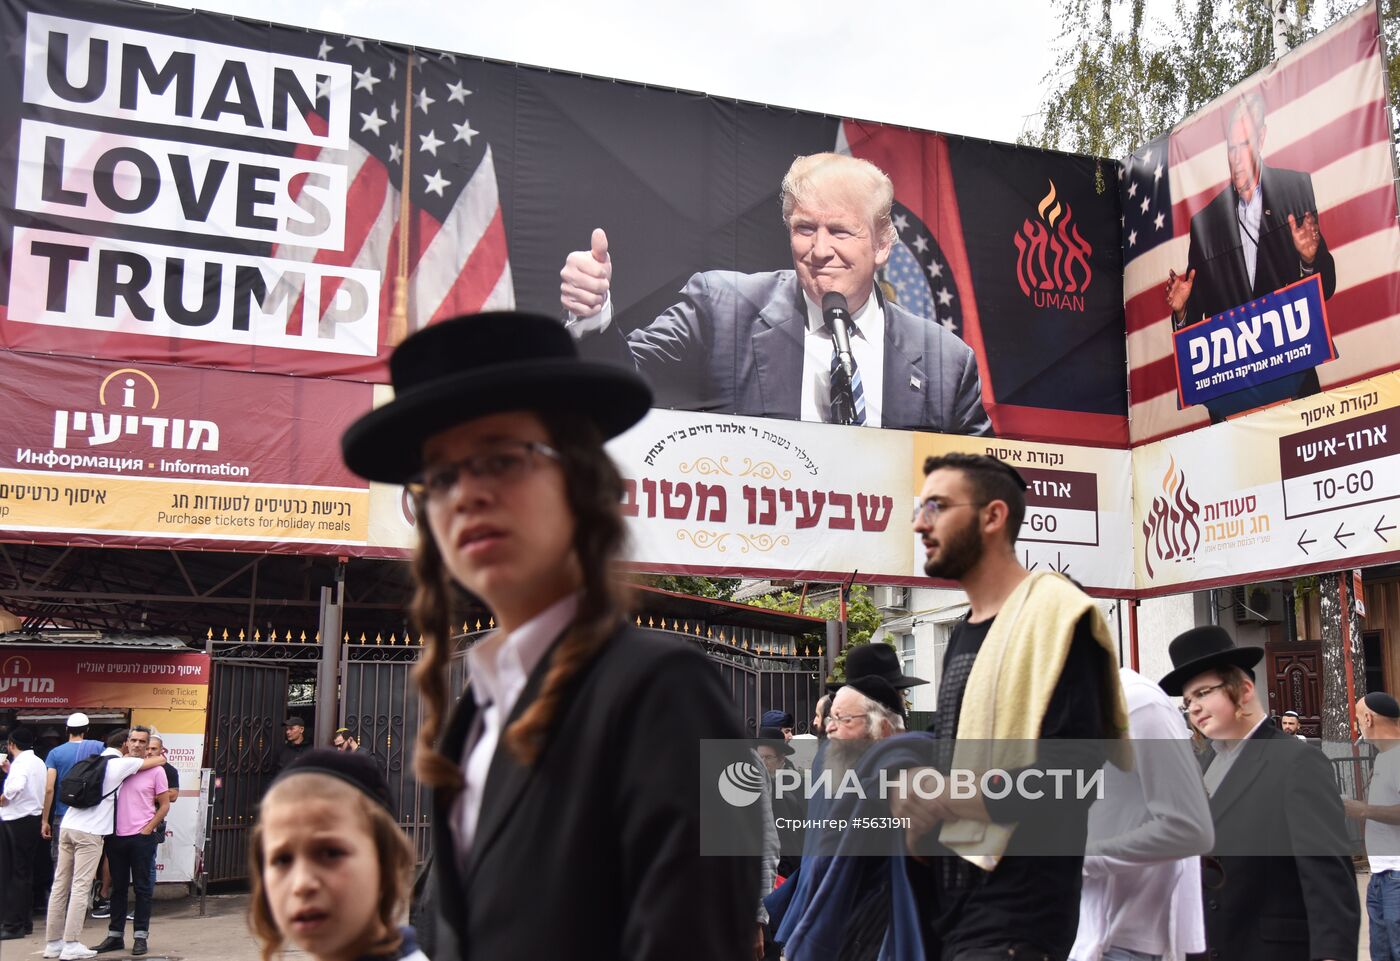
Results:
<point x="862" y="617"/>
<point x="716" y="588"/>
<point x="1128" y="70"/>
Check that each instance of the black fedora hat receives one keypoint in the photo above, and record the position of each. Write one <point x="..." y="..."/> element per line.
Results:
<point x="880" y="691"/>
<point x="479" y="364"/>
<point x="877" y="660"/>
<point x="773" y="737"/>
<point x="1201" y="649"/>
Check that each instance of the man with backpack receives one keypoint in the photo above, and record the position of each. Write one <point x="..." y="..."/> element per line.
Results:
<point x="131" y="847"/>
<point x="88" y="789"/>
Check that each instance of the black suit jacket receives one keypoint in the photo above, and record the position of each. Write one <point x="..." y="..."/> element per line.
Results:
<point x="1280" y="908"/>
<point x="594" y="852"/>
<point x="734" y="345"/>
<point x="1222" y="277"/>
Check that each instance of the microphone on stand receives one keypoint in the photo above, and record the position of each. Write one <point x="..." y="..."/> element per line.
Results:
<point x="837" y="317"/>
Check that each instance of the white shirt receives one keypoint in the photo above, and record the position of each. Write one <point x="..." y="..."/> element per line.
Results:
<point x="1383" y="840"/>
<point x="101" y="818"/>
<point x="1226" y="752"/>
<point x="1250" y="216"/>
<point x="1138" y="892"/>
<point x="24" y="788"/>
<point x="499" y="666"/>
<point x="867" y="347"/>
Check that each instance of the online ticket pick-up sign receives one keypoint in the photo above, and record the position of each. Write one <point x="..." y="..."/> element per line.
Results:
<point x="1263" y="348"/>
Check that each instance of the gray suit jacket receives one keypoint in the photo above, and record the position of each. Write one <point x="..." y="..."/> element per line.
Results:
<point x="734" y="345"/>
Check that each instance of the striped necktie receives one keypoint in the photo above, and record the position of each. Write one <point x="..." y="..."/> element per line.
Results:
<point x="838" y="375"/>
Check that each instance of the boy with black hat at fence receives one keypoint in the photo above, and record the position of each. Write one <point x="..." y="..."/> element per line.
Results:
<point x="1279" y="885"/>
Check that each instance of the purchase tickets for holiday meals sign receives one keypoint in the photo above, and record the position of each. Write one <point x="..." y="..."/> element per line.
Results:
<point x="102" y="452"/>
<point x="1304" y="487"/>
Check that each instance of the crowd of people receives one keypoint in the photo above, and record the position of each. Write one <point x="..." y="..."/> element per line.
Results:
<point x="567" y="783"/>
<point x="564" y="776"/>
<point x="81" y="827"/>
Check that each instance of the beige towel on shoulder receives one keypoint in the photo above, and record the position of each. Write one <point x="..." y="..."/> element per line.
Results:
<point x="1009" y="691"/>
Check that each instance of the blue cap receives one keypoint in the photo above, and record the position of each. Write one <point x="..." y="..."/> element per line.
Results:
<point x="776" y="719"/>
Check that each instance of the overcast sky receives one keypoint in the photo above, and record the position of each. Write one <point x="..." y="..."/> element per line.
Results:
<point x="975" y="69"/>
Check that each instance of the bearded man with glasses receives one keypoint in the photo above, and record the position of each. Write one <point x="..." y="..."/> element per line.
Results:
<point x="1031" y="677"/>
<point x="1279" y="885"/>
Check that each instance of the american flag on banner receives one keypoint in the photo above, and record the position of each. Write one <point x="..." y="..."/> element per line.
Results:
<point x="1327" y="115"/>
<point x="456" y="255"/>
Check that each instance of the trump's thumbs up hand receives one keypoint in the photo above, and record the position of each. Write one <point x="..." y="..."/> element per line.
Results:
<point x="586" y="278"/>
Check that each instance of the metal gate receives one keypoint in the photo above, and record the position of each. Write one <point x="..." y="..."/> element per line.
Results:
<point x="247" y="706"/>
<point x="379" y="702"/>
<point x="760" y="683"/>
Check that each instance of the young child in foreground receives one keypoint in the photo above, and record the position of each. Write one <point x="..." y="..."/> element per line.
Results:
<point x="330" y="868"/>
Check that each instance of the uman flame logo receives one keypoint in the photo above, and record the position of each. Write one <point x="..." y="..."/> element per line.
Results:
<point x="1052" y="257"/>
<point x="1171" y="531"/>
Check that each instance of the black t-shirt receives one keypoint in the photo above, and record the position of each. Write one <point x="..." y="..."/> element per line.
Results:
<point x="172" y="781"/>
<point x="288" y="753"/>
<point x="1027" y="899"/>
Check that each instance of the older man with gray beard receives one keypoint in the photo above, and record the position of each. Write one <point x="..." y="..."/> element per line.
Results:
<point x="838" y="906"/>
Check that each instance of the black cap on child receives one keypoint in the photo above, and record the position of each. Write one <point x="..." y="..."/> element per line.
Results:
<point x="356" y="769"/>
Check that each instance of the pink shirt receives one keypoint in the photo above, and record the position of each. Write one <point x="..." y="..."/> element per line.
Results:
<point x="136" y="800"/>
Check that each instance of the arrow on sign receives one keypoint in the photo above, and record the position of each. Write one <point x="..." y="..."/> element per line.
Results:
<point x="1378" y="528"/>
<point x="1301" y="542"/>
<point x="1059" y="565"/>
<point x="1341" y="534"/>
<point x="1030" y="566"/>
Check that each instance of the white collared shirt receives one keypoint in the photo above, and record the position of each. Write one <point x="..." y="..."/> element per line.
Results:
<point x="867" y="347"/>
<point x="499" y="667"/>
<point x="24" y="788"/>
<point x="1226" y="753"/>
<point x="1251" y="217"/>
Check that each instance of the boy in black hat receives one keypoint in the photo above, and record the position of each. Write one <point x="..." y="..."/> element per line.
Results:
<point x="1268" y="793"/>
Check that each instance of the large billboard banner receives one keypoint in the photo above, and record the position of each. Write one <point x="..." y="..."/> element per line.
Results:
<point x="1286" y="180"/>
<point x="214" y="232"/>
<point x="101" y="452"/>
<point x="1309" y="486"/>
<point x="188" y="189"/>
<point x="732" y="496"/>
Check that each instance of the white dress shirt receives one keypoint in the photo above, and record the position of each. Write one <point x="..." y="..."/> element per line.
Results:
<point x="867" y="347"/>
<point x="1139" y="893"/>
<point x="499" y="667"/>
<point x="1226" y="752"/>
<point x="24" y="788"/>
<point x="101" y="818"/>
<point x="1251" y="217"/>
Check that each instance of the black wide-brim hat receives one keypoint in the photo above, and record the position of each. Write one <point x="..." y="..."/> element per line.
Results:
<point x="1202" y="649"/>
<point x="773" y="737"/>
<point x="880" y="691"/>
<point x="877" y="659"/>
<point x="467" y="367"/>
